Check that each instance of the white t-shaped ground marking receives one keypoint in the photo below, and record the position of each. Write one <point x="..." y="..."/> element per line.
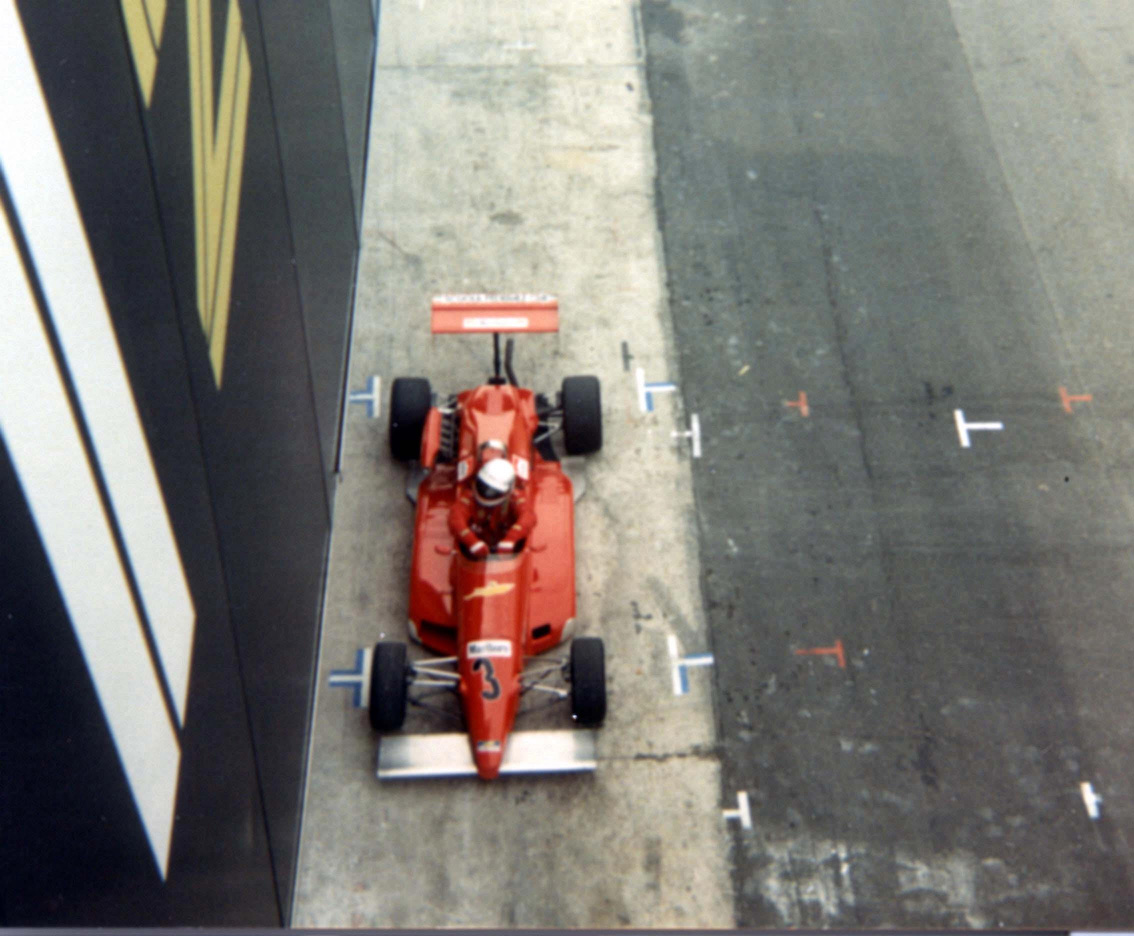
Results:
<point x="741" y="812"/>
<point x="1090" y="799"/>
<point x="964" y="428"/>
<point x="694" y="435"/>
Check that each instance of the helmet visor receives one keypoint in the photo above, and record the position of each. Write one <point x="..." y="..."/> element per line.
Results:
<point x="489" y="495"/>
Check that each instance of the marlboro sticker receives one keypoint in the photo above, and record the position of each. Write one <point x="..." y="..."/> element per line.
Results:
<point x="479" y="649"/>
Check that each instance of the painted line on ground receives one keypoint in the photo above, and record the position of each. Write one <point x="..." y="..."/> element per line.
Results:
<point x="1090" y="799"/>
<point x="646" y="390"/>
<point x="801" y="404"/>
<point x="371" y="396"/>
<point x="638" y="615"/>
<point x="964" y="428"/>
<point x="693" y="434"/>
<point x="680" y="665"/>
<point x="1069" y="398"/>
<point x="742" y="813"/>
<point x="357" y="679"/>
<point x="836" y="651"/>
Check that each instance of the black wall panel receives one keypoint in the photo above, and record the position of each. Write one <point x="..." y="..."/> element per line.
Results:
<point x="258" y="432"/>
<point x="72" y="842"/>
<point x="304" y="85"/>
<point x="245" y="470"/>
<point x="355" y="24"/>
<point x="73" y="850"/>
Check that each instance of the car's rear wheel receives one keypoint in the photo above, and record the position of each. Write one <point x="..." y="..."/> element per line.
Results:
<point x="588" y="681"/>
<point x="410" y="400"/>
<point x="582" y="415"/>
<point x="389" y="686"/>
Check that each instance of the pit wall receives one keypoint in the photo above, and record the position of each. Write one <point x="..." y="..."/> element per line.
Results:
<point x="182" y="437"/>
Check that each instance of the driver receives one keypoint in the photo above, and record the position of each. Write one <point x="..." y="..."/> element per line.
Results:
<point x="496" y="514"/>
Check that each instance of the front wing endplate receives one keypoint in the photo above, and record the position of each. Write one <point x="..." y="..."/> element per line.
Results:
<point x="409" y="757"/>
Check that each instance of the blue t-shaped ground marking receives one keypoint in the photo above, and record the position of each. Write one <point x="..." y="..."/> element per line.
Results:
<point x="355" y="678"/>
<point x="696" y="659"/>
<point x="681" y="666"/>
<point x="371" y="396"/>
<point x="646" y="390"/>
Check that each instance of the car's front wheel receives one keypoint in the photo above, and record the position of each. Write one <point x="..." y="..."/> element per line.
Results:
<point x="410" y="400"/>
<point x="582" y="415"/>
<point x="389" y="686"/>
<point x="588" y="681"/>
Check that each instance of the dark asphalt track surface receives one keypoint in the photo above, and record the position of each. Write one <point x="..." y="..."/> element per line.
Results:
<point x="836" y="222"/>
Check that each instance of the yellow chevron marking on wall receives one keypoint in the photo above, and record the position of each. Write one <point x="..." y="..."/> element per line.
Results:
<point x="145" y="22"/>
<point x="219" y="121"/>
<point x="219" y="133"/>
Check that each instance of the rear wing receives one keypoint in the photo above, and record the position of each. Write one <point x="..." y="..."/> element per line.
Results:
<point x="478" y="314"/>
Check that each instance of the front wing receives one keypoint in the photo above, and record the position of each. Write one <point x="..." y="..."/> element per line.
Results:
<point x="408" y="757"/>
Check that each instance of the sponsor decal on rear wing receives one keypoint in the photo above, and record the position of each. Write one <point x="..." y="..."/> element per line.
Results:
<point x="480" y="313"/>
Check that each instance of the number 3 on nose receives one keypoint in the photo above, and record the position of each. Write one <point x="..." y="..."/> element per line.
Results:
<point x="492" y="687"/>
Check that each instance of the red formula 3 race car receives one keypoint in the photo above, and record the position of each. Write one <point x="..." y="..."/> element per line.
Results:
<point x="490" y="610"/>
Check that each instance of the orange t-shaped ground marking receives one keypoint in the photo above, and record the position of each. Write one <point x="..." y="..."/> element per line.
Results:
<point x="1068" y="399"/>
<point x="836" y="651"/>
<point x="804" y="409"/>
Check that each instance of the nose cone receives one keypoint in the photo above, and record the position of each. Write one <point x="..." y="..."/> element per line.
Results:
<point x="489" y="756"/>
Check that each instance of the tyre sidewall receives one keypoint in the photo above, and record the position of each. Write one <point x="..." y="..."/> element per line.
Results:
<point x="410" y="401"/>
<point x="582" y="415"/>
<point x="388" y="686"/>
<point x="588" y="681"/>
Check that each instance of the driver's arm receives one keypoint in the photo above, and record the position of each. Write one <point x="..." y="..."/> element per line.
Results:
<point x="521" y="526"/>
<point x="460" y="517"/>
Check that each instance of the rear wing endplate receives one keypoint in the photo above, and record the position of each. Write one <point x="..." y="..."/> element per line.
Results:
<point x="478" y="314"/>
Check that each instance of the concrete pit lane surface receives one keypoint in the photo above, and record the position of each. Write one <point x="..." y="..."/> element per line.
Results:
<point x="511" y="152"/>
<point x="867" y="630"/>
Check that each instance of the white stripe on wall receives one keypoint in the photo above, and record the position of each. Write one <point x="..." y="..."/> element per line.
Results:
<point x="43" y="440"/>
<point x="49" y="217"/>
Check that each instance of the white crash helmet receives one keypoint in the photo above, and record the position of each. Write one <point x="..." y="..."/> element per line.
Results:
<point x="493" y="448"/>
<point x="494" y="482"/>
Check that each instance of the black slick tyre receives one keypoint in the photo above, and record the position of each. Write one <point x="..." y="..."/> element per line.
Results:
<point x="388" y="686"/>
<point x="410" y="400"/>
<point x="582" y="415"/>
<point x="588" y="681"/>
